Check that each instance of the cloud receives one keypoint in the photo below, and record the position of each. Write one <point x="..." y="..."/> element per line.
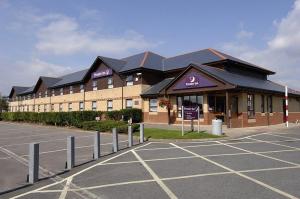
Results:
<point x="26" y="73"/>
<point x="282" y="51"/>
<point x="64" y="36"/>
<point x="243" y="34"/>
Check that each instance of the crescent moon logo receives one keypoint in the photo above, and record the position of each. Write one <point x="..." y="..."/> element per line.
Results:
<point x="192" y="79"/>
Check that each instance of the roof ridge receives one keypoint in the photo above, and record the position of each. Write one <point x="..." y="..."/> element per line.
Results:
<point x="185" y="53"/>
<point x="144" y="58"/>
<point x="217" y="53"/>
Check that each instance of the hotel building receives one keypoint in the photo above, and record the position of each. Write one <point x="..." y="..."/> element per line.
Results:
<point x="222" y="86"/>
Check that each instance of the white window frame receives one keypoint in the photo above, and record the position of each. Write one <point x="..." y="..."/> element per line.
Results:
<point x="46" y="93"/>
<point x="71" y="89"/>
<point x="60" y="108"/>
<point x="153" y="106"/>
<point x="109" y="105"/>
<point x="94" y="105"/>
<point x="53" y="92"/>
<point x="95" y="85"/>
<point x="81" y="88"/>
<point x="110" y="82"/>
<point x="128" y="81"/>
<point x="52" y="107"/>
<point x="70" y="107"/>
<point x="40" y="94"/>
<point x="81" y="106"/>
<point x="61" y="91"/>
<point x="128" y="100"/>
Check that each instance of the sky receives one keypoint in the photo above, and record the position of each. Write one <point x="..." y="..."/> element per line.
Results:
<point x="52" y="38"/>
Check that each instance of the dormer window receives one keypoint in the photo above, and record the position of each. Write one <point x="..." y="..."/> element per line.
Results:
<point x="81" y="88"/>
<point x="110" y="82"/>
<point x="40" y="94"/>
<point x="61" y="91"/>
<point x="46" y="93"/>
<point x="95" y="85"/>
<point x="53" y="92"/>
<point x="129" y="80"/>
<point x="71" y="89"/>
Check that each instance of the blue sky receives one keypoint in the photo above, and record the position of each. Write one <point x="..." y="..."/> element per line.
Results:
<point x="56" y="37"/>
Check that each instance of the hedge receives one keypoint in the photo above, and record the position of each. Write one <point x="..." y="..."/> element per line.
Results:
<point x="107" y="125"/>
<point x="74" y="118"/>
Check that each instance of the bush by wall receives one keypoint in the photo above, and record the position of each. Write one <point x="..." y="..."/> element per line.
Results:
<point x="107" y="125"/>
<point x="75" y="118"/>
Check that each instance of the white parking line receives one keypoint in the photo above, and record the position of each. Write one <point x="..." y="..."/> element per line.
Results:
<point x="155" y="177"/>
<point x="170" y="179"/>
<point x="287" y="137"/>
<point x="241" y="175"/>
<point x="259" y="154"/>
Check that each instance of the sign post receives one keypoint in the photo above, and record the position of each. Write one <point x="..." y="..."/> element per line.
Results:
<point x="182" y="116"/>
<point x="190" y="113"/>
<point x="286" y="107"/>
<point x="198" y="119"/>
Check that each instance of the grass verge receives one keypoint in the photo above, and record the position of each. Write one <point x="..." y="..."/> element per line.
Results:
<point x="174" y="134"/>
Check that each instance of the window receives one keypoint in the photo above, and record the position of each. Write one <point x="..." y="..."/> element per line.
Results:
<point x="81" y="88"/>
<point x="52" y="107"/>
<point x="33" y="95"/>
<point x="95" y="85"/>
<point x="153" y="105"/>
<point x="28" y="97"/>
<point x="250" y="105"/>
<point x="46" y="93"/>
<point x="109" y="105"/>
<point x="128" y="103"/>
<point x="33" y="108"/>
<point x="194" y="100"/>
<point x="60" y="107"/>
<point x="53" y="92"/>
<point x="61" y="91"/>
<point x="45" y="108"/>
<point x="81" y="106"/>
<point x="39" y="108"/>
<point x="27" y="108"/>
<point x="71" y="89"/>
<point x="129" y="80"/>
<point x="270" y="104"/>
<point x="70" y="107"/>
<point x="40" y="94"/>
<point x="94" y="105"/>
<point x="262" y="105"/>
<point x="110" y="82"/>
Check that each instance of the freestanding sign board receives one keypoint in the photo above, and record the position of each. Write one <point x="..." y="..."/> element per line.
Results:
<point x="190" y="113"/>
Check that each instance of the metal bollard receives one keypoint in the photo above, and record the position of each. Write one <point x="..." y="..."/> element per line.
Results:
<point x="70" y="152"/>
<point x="130" y="137"/>
<point x="141" y="133"/>
<point x="97" y="146"/>
<point x="33" y="162"/>
<point x="115" y="140"/>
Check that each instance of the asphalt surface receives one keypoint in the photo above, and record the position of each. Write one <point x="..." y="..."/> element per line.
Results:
<point x="258" y="166"/>
<point x="14" y="148"/>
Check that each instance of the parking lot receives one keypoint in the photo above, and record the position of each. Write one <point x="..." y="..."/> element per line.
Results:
<point x="14" y="147"/>
<point x="258" y="166"/>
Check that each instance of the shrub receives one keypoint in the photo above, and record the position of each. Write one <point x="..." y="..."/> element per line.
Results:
<point x="134" y="113"/>
<point x="107" y="125"/>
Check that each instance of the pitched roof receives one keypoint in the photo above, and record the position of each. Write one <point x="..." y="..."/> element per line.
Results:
<point x="242" y="80"/>
<point x="70" y="78"/>
<point x="155" y="89"/>
<point x="18" y="90"/>
<point x="147" y="60"/>
<point x="115" y="64"/>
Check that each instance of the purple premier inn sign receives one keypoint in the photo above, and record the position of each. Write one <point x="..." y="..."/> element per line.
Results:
<point x="190" y="113"/>
<point x="193" y="80"/>
<point x="102" y="73"/>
